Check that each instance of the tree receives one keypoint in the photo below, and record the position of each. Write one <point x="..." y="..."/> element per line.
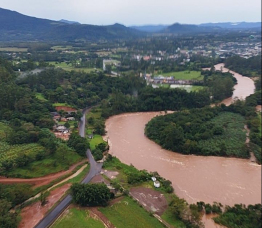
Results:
<point x="90" y="194"/>
<point x="7" y="219"/>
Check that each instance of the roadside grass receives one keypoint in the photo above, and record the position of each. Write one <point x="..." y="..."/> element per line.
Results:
<point x="40" y="97"/>
<point x="44" y="167"/>
<point x="97" y="139"/>
<point x="185" y="75"/>
<point x="80" y="176"/>
<point x="128" y="214"/>
<point x="78" y="218"/>
<point x="169" y="217"/>
<point x="13" y="49"/>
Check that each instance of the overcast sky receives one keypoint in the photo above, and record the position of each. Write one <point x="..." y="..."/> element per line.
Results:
<point x="139" y="12"/>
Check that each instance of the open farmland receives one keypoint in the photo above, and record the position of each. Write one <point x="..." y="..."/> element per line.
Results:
<point x="18" y="155"/>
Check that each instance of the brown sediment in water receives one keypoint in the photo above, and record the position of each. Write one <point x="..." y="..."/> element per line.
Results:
<point x="195" y="178"/>
<point x="245" y="86"/>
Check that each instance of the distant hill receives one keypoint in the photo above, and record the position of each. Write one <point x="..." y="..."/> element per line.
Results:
<point x="187" y="28"/>
<point x="150" y="28"/>
<point x="68" y="22"/>
<point x="235" y="25"/>
<point x="18" y="27"/>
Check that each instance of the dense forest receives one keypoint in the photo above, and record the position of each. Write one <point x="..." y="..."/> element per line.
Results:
<point x="249" y="67"/>
<point x="207" y="131"/>
<point x="241" y="216"/>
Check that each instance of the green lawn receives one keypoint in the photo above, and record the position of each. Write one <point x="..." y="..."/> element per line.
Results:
<point x="128" y="214"/>
<point x="95" y="141"/>
<point x="185" y="75"/>
<point x="77" y="218"/>
<point x="40" y="97"/>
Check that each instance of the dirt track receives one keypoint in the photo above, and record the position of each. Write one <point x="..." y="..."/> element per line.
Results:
<point x="33" y="213"/>
<point x="40" y="181"/>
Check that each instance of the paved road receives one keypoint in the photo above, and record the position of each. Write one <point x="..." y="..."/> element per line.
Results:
<point x="95" y="168"/>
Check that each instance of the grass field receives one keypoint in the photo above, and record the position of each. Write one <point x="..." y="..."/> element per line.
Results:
<point x="40" y="97"/>
<point x="128" y="214"/>
<point x="185" y="75"/>
<point x="97" y="139"/>
<point x="77" y="218"/>
<point x="13" y="49"/>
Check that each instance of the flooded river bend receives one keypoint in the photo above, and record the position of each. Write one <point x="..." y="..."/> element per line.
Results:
<point x="194" y="178"/>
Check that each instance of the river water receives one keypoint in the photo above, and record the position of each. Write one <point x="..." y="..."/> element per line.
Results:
<point x="194" y="178"/>
<point x="244" y="87"/>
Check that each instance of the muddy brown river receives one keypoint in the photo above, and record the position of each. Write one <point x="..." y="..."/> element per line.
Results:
<point x="194" y="178"/>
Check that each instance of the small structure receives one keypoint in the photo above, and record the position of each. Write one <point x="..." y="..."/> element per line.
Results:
<point x="157" y="184"/>
<point x="70" y="118"/>
<point x="153" y="179"/>
<point x="90" y="136"/>
<point x="61" y="128"/>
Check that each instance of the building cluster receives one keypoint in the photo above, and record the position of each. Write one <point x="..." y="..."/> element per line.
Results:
<point x="59" y="129"/>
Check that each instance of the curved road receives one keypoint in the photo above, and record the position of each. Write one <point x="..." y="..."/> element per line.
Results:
<point x="95" y="168"/>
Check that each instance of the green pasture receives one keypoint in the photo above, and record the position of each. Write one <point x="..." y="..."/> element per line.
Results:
<point x="185" y="75"/>
<point x="128" y="214"/>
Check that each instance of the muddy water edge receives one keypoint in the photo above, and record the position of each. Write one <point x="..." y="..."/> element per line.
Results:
<point x="194" y="178"/>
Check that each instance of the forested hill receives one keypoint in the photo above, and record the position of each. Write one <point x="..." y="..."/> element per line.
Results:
<point x="16" y="26"/>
